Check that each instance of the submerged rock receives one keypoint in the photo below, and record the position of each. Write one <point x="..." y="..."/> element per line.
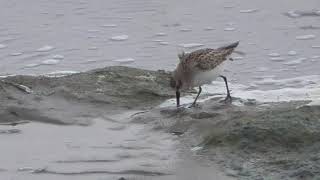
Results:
<point x="60" y="99"/>
<point x="256" y="136"/>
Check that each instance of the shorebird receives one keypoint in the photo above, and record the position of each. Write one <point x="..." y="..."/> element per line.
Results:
<point x="200" y="67"/>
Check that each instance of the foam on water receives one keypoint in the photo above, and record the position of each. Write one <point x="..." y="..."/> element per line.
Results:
<point x="209" y="28"/>
<point x="31" y="65"/>
<point x="57" y="56"/>
<point x="191" y="45"/>
<point x="109" y="25"/>
<point x="237" y="58"/>
<point x="295" y="62"/>
<point x="2" y="46"/>
<point x="124" y="60"/>
<point x="277" y="59"/>
<point x="185" y="30"/>
<point x="93" y="30"/>
<point x="274" y="54"/>
<point x="93" y="48"/>
<point x="16" y="54"/>
<point x="248" y="10"/>
<point x="161" y="34"/>
<point x="305" y="88"/>
<point x="120" y="37"/>
<point x="229" y="29"/>
<point x="50" y="61"/>
<point x="45" y="48"/>
<point x="292" y="53"/>
<point x="60" y="73"/>
<point x="306" y="37"/>
<point x="164" y="43"/>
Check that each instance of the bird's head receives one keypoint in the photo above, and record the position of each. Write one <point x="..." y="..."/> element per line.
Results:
<point x="182" y="55"/>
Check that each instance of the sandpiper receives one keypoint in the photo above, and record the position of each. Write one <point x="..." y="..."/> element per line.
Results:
<point x="200" y="67"/>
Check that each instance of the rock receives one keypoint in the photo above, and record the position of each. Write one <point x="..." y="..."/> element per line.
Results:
<point x="103" y="90"/>
<point x="252" y="140"/>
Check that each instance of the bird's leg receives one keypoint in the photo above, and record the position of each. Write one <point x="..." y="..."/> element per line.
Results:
<point x="195" y="100"/>
<point x="228" y="92"/>
<point x="178" y="97"/>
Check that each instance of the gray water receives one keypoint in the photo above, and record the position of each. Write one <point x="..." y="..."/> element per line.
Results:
<point x="43" y="36"/>
<point x="77" y="35"/>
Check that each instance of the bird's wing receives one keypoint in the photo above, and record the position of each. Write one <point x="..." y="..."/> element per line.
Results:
<point x="208" y="59"/>
<point x="204" y="59"/>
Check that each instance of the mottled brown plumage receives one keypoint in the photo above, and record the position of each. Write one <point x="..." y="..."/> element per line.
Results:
<point x="200" y="67"/>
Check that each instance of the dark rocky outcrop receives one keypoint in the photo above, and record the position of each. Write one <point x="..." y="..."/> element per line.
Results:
<point x="59" y="99"/>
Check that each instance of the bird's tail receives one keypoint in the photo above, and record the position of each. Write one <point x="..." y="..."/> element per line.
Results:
<point x="230" y="46"/>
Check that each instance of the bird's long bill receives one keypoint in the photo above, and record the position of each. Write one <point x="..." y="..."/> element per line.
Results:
<point x="178" y="97"/>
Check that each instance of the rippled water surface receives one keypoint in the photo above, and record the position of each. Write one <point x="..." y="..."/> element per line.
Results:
<point x="278" y="39"/>
<point x="38" y="37"/>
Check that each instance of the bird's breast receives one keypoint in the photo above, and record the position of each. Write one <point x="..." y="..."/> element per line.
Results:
<point x="206" y="77"/>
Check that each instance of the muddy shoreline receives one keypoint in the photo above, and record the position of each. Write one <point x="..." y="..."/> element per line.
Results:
<point x="247" y="139"/>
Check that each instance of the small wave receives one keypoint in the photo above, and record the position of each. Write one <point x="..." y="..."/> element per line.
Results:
<point x="45" y="48"/>
<point x="109" y="25"/>
<point x="58" y="56"/>
<point x="120" y="38"/>
<point x="305" y="88"/>
<point x="292" y="53"/>
<point x="297" y="14"/>
<point x="16" y="54"/>
<point x="125" y="172"/>
<point x="274" y="54"/>
<point x="249" y="10"/>
<point x="306" y="37"/>
<point x="277" y="59"/>
<point x="2" y="46"/>
<point x="124" y="60"/>
<point x="161" y="34"/>
<point x="87" y="161"/>
<point x="295" y="62"/>
<point x="10" y="131"/>
<point x="60" y="73"/>
<point x="229" y="29"/>
<point x="50" y="61"/>
<point x="185" y="30"/>
<point x="191" y="45"/>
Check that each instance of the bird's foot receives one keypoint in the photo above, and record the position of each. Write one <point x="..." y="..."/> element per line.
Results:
<point x="193" y="105"/>
<point x="227" y="100"/>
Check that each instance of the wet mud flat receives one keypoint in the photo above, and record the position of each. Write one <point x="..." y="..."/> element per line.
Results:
<point x="108" y="123"/>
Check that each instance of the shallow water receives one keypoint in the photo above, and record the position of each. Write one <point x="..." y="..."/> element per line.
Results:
<point x="280" y="40"/>
<point x="98" y="33"/>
